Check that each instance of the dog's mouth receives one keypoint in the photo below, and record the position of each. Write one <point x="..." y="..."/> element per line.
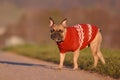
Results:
<point x="58" y="41"/>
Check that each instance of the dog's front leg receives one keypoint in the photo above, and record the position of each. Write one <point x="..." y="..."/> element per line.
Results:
<point x="62" y="57"/>
<point x="75" y="58"/>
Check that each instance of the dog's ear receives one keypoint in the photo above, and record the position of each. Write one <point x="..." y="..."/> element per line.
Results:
<point x="51" y="22"/>
<point x="64" y="22"/>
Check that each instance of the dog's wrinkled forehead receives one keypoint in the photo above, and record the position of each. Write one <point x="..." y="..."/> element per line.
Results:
<point x="58" y="27"/>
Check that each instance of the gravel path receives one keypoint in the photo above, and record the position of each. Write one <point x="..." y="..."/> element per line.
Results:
<point x="16" y="67"/>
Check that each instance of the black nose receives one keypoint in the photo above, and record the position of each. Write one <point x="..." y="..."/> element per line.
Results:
<point x="54" y="35"/>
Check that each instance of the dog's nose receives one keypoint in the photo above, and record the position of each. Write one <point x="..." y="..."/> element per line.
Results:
<point x="55" y="35"/>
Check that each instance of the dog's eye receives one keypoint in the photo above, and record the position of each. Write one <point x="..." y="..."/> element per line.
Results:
<point x="60" y="31"/>
<point x="52" y="30"/>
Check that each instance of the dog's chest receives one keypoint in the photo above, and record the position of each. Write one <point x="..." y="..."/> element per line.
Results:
<point x="78" y="36"/>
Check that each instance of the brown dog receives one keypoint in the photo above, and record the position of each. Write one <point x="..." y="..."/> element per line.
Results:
<point x="76" y="38"/>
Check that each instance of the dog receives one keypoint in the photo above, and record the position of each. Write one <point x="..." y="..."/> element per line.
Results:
<point x="74" y="39"/>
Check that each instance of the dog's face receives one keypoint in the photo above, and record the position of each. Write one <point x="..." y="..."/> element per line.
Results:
<point x="58" y="31"/>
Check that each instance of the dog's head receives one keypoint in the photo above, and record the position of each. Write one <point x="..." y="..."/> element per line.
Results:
<point x="58" y="31"/>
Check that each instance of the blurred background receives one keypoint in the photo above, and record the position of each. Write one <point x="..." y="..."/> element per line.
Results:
<point x="27" y="21"/>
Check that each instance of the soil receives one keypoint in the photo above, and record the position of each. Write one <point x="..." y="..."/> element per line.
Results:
<point x="16" y="67"/>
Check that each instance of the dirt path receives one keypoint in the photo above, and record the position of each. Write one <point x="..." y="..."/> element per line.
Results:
<point x="15" y="67"/>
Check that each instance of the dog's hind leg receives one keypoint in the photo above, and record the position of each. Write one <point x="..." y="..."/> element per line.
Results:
<point x="98" y="50"/>
<point x="94" y="53"/>
<point x="95" y="48"/>
<point x="100" y="56"/>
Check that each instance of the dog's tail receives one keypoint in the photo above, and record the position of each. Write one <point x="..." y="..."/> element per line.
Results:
<point x="99" y="30"/>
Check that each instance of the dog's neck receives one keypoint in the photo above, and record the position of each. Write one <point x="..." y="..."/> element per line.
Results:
<point x="65" y="32"/>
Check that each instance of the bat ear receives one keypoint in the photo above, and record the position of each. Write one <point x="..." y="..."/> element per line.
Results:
<point x="51" y="22"/>
<point x="64" y="22"/>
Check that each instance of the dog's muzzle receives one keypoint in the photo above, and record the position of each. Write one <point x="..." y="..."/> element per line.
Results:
<point x="57" y="37"/>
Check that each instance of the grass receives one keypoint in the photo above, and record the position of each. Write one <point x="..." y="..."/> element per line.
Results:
<point x="51" y="53"/>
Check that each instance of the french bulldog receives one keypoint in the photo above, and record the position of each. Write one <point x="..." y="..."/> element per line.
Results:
<point x="75" y="38"/>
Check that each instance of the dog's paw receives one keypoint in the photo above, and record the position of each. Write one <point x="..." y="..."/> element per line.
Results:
<point x="75" y="68"/>
<point x="58" y="68"/>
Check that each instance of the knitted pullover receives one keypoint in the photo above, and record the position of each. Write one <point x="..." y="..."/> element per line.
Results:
<point x="78" y="36"/>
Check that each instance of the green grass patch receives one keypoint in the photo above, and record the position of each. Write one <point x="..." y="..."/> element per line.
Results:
<point x="51" y="53"/>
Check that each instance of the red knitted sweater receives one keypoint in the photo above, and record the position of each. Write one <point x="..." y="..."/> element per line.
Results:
<point x="78" y="36"/>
